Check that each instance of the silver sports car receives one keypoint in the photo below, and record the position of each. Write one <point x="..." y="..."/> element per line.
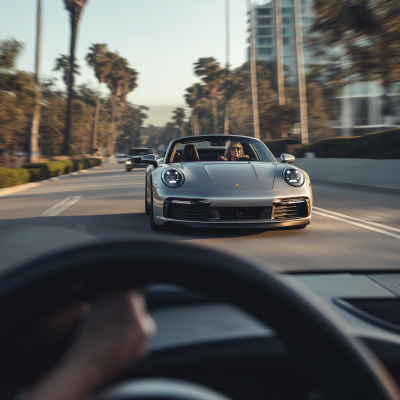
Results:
<point x="222" y="181"/>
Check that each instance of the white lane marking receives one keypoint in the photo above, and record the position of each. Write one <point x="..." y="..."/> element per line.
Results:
<point x="357" y="219"/>
<point x="346" y="221"/>
<point x="61" y="206"/>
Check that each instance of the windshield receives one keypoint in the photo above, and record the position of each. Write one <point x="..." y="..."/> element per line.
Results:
<point x="184" y="80"/>
<point x="216" y="147"/>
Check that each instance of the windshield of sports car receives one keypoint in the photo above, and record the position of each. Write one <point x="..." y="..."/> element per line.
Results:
<point x="218" y="148"/>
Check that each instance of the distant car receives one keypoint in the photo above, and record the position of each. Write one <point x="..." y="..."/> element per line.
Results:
<point x="190" y="186"/>
<point x="134" y="158"/>
<point x="121" y="158"/>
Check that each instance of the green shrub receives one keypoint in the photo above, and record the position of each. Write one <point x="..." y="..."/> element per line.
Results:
<point x="13" y="176"/>
<point x="378" y="145"/>
<point x="38" y="174"/>
<point x="35" y="172"/>
<point x="277" y="147"/>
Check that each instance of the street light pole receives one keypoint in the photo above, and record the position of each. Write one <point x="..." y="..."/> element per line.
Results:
<point x="227" y="39"/>
<point x="253" y="73"/>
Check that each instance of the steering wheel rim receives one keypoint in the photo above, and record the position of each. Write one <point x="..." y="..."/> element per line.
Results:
<point x="310" y="331"/>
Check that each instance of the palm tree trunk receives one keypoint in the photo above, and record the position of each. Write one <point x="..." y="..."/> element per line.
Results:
<point x="301" y="77"/>
<point x="34" y="130"/>
<point x="181" y="127"/>
<point x="215" y="114"/>
<point x="196" y="124"/>
<point x="192" y="123"/>
<point x="254" y="92"/>
<point x="113" y="103"/>
<point x="96" y="122"/>
<point x="74" y="30"/>
<point x="227" y="110"/>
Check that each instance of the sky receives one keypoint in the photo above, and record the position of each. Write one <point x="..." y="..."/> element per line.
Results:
<point x="161" y="39"/>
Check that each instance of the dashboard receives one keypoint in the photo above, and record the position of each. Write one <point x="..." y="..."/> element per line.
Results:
<point x="221" y="346"/>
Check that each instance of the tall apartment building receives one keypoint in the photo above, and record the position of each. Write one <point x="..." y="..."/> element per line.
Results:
<point x="265" y="36"/>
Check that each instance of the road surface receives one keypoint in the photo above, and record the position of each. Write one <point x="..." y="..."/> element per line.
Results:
<point x="352" y="228"/>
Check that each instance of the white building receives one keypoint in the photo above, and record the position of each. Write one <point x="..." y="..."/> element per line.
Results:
<point x="265" y="37"/>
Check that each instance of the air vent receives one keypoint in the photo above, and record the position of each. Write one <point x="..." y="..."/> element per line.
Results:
<point x="382" y="312"/>
<point x="187" y="211"/>
<point x="291" y="209"/>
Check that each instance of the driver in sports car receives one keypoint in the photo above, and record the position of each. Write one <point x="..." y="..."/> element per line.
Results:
<point x="113" y="333"/>
<point x="233" y="152"/>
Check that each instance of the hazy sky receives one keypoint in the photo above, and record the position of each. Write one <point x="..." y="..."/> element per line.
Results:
<point x="160" y="38"/>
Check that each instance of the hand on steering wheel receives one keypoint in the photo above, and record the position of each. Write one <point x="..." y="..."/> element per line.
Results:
<point x="114" y="333"/>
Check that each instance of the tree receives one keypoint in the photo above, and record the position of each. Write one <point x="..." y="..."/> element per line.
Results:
<point x="213" y="76"/>
<point x="194" y="96"/>
<point x="18" y="97"/>
<point x="179" y="118"/>
<point x="74" y="7"/>
<point x="358" y="40"/>
<point x="98" y="60"/>
<point x="63" y="64"/>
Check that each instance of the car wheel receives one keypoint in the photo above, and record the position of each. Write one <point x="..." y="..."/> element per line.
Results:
<point x="128" y="169"/>
<point x="146" y="207"/>
<point x="153" y="225"/>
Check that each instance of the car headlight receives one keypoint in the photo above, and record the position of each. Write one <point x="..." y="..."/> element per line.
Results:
<point x="128" y="162"/>
<point x="293" y="176"/>
<point x="173" y="178"/>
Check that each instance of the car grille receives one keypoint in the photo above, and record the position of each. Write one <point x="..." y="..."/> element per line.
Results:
<point x="383" y="312"/>
<point x="241" y="213"/>
<point x="291" y="209"/>
<point x="188" y="211"/>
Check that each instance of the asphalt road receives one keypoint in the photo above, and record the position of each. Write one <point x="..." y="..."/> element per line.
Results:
<point x="352" y="228"/>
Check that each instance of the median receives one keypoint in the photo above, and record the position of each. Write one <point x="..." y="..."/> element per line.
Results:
<point x="36" y="172"/>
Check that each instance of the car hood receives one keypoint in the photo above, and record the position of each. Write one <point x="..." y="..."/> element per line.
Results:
<point x="228" y="175"/>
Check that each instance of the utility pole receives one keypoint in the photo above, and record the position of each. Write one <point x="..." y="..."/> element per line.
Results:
<point x="301" y="77"/>
<point x="253" y="71"/>
<point x="279" y="62"/>
<point x="34" y="129"/>
<point x="227" y="39"/>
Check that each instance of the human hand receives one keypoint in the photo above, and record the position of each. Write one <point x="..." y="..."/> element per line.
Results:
<point x="114" y="333"/>
<point x="222" y="158"/>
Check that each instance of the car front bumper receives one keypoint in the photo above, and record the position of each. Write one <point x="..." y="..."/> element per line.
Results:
<point x="233" y="200"/>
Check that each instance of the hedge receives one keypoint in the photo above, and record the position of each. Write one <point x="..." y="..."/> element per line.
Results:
<point x="378" y="145"/>
<point x="277" y="147"/>
<point x="13" y="176"/>
<point x="35" y="172"/>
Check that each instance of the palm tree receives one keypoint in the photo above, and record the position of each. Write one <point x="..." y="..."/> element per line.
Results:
<point x="194" y="95"/>
<point x="97" y="58"/>
<point x="179" y="116"/>
<point x="34" y="129"/>
<point x="116" y="80"/>
<point x="74" y="7"/>
<point x="213" y="76"/>
<point x="63" y="64"/>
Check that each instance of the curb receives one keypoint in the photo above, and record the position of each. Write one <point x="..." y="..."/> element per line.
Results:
<point x="24" y="186"/>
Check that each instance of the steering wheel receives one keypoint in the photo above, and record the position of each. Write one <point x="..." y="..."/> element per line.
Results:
<point x="309" y="329"/>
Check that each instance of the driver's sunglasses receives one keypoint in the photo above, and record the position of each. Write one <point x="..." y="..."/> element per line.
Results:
<point x="235" y="148"/>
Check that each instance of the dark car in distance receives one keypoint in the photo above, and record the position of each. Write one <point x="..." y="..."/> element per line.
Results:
<point x="134" y="159"/>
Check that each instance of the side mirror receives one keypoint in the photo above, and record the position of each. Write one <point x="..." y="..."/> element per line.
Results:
<point x="287" y="158"/>
<point x="150" y="159"/>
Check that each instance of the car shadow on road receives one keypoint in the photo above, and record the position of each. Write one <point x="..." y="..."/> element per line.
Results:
<point x="24" y="238"/>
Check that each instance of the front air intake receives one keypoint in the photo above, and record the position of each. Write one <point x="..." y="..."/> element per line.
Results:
<point x="291" y="209"/>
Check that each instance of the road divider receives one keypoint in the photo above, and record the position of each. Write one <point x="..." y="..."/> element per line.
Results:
<point x="360" y="222"/>
<point x="60" y="207"/>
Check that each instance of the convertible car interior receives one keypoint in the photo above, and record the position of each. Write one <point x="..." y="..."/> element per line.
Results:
<point x="222" y="323"/>
<point x="190" y="152"/>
